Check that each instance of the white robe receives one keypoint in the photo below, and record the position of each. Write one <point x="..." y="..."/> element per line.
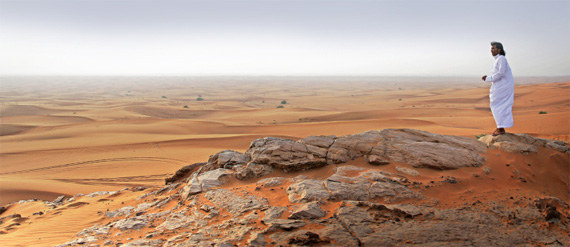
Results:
<point x="502" y="92"/>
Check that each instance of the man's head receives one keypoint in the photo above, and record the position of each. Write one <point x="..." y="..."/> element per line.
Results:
<point x="497" y="48"/>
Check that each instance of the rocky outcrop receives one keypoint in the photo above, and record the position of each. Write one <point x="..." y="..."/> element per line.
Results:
<point x="353" y="204"/>
<point x="413" y="147"/>
<point x="523" y="143"/>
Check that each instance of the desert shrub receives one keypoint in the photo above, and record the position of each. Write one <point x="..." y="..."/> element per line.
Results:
<point x="283" y="102"/>
<point x="541" y="112"/>
<point x="280" y="106"/>
<point x="164" y="97"/>
<point x="199" y="99"/>
<point x="185" y="106"/>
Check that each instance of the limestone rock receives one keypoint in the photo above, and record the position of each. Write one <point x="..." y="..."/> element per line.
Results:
<point x="307" y="190"/>
<point x="376" y="160"/>
<point x="226" y="159"/>
<point x="133" y="223"/>
<point x="175" y="221"/>
<point x="522" y="143"/>
<point x="252" y="170"/>
<point x="391" y="189"/>
<point x="308" y="211"/>
<point x="269" y="182"/>
<point x="284" y="154"/>
<point x="350" y="147"/>
<point x="182" y="172"/>
<point x="273" y="213"/>
<point x="319" y="141"/>
<point x="144" y="242"/>
<point x="348" y="191"/>
<point x="119" y="212"/>
<point x="205" y="181"/>
<point x="287" y="225"/>
<point x="235" y="204"/>
<point x="408" y="171"/>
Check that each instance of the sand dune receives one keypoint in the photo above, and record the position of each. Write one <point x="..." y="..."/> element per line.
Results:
<point x="80" y="138"/>
<point x="25" y="110"/>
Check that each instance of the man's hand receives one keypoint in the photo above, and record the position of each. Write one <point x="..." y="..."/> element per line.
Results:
<point x="484" y="77"/>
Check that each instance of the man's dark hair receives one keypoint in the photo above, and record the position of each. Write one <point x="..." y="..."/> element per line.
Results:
<point x="499" y="46"/>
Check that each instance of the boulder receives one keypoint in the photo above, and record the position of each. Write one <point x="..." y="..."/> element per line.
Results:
<point x="252" y="170"/>
<point x="307" y="190"/>
<point x="309" y="210"/>
<point x="205" y="181"/>
<point x="226" y="159"/>
<point x="523" y="143"/>
<point x="284" y="154"/>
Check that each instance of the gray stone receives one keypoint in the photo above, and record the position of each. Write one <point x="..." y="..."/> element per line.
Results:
<point x="252" y="170"/>
<point x="59" y="199"/>
<point x="144" y="242"/>
<point x="269" y="182"/>
<point x="308" y="211"/>
<point x="214" y="178"/>
<point x="390" y="189"/>
<point x="307" y="191"/>
<point x="134" y="223"/>
<point x="284" y="154"/>
<point x="235" y="204"/>
<point x="257" y="239"/>
<point x="408" y="171"/>
<point x="348" y="191"/>
<point x="319" y="141"/>
<point x="283" y="224"/>
<point x="441" y="156"/>
<point x="175" y="221"/>
<point x="226" y="159"/>
<point x="273" y="212"/>
<point x="119" y="212"/>
<point x="202" y="182"/>
<point x="522" y="143"/>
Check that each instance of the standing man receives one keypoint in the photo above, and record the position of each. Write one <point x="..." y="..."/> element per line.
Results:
<point x="502" y="92"/>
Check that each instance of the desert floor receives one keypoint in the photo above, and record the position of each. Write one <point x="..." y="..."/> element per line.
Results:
<point x="63" y="136"/>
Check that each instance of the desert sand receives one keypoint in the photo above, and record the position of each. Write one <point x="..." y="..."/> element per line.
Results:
<point x="70" y="135"/>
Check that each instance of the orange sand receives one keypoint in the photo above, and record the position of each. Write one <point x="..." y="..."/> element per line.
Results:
<point x="79" y="136"/>
<point x="74" y="137"/>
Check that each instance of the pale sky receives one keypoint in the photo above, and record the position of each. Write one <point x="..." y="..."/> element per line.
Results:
<point x="282" y="37"/>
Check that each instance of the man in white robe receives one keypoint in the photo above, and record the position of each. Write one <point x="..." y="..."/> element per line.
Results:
<point x="502" y="92"/>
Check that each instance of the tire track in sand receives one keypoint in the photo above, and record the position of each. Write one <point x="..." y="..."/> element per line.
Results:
<point x="154" y="159"/>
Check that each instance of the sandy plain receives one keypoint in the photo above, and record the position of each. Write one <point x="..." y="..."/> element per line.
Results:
<point x="69" y="135"/>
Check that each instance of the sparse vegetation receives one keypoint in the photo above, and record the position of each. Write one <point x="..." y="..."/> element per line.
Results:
<point x="283" y="102"/>
<point x="199" y="98"/>
<point x="164" y="97"/>
<point x="479" y="136"/>
<point x="185" y="106"/>
<point x="280" y="106"/>
<point x="400" y="99"/>
<point x="542" y="112"/>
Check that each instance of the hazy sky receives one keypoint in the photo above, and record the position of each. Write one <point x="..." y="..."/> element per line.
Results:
<point x="282" y="37"/>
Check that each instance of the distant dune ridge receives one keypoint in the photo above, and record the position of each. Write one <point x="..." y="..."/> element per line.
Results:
<point x="64" y="136"/>
<point x="375" y="188"/>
